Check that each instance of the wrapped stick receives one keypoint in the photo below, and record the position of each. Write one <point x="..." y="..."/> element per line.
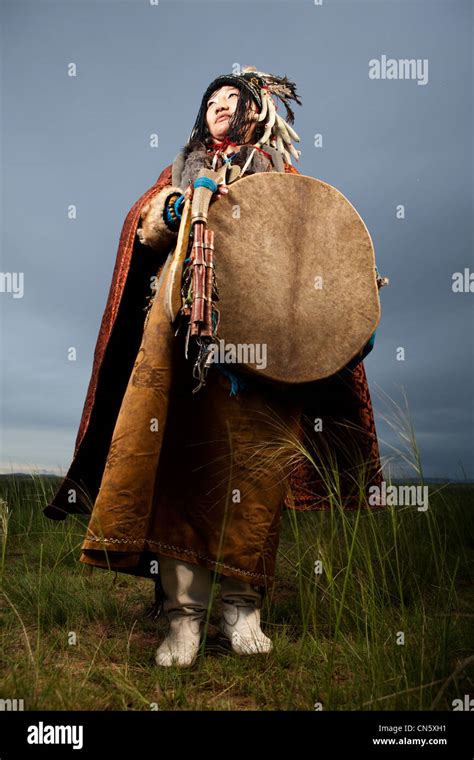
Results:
<point x="198" y="280"/>
<point x="209" y="282"/>
<point x="202" y="262"/>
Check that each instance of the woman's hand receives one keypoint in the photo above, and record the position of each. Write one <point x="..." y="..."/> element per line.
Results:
<point x="221" y="190"/>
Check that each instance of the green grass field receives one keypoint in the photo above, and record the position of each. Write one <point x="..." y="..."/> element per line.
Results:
<point x="74" y="638"/>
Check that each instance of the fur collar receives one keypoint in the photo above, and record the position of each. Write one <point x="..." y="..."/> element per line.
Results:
<point x="192" y="158"/>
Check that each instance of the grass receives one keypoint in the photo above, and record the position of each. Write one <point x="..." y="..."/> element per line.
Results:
<point x="76" y="638"/>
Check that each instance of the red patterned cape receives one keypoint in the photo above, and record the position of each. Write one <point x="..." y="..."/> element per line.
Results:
<point x="343" y="401"/>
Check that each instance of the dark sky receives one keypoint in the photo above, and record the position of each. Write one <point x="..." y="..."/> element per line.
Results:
<point x="142" y="69"/>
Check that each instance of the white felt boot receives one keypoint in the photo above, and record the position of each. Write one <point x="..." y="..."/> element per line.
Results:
<point x="240" y="621"/>
<point x="187" y="590"/>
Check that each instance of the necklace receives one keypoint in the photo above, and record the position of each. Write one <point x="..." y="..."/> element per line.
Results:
<point x="219" y="152"/>
<point x="225" y="159"/>
<point x="219" y="148"/>
<point x="228" y="159"/>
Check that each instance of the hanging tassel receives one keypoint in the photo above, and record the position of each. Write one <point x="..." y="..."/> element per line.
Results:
<point x="203" y="361"/>
<point x="237" y="383"/>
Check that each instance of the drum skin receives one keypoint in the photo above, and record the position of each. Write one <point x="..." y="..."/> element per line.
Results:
<point x="296" y="275"/>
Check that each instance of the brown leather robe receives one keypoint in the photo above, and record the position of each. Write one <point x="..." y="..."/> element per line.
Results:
<point x="198" y="477"/>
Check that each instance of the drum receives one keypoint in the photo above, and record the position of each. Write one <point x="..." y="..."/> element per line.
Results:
<point x="296" y="276"/>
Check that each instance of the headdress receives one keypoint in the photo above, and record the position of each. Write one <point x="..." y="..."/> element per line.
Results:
<point x="272" y="130"/>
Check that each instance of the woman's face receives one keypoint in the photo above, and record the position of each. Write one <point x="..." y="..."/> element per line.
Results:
<point x="220" y="109"/>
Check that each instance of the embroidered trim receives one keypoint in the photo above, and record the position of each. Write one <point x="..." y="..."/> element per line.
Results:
<point x="178" y="549"/>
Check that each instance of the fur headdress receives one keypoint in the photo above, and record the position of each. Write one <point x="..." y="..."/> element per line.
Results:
<point x="272" y="130"/>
